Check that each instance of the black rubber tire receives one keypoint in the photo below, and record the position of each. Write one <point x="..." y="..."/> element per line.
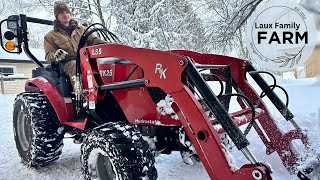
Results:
<point x="126" y="155"/>
<point x="37" y="131"/>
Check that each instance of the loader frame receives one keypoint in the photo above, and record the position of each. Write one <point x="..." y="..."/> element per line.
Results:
<point x="175" y="72"/>
<point x="203" y="135"/>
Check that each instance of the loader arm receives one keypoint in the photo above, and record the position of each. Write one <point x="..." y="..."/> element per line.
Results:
<point x="274" y="139"/>
<point x="167" y="71"/>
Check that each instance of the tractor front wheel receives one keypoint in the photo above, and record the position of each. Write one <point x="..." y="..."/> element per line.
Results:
<point x="117" y="151"/>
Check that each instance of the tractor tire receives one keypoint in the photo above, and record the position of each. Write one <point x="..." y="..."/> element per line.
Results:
<point x="37" y="131"/>
<point x="117" y="151"/>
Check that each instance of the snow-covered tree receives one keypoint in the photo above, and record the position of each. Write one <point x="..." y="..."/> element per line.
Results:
<point x="1" y="8"/>
<point x="85" y="11"/>
<point x="133" y="20"/>
<point x="17" y="7"/>
<point x="158" y="24"/>
<point x="81" y="10"/>
<point x="224" y="25"/>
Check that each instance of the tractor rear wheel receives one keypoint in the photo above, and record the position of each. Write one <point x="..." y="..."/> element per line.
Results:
<point x="117" y="151"/>
<point x="37" y="131"/>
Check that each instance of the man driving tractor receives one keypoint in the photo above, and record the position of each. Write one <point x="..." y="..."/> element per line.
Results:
<point x="61" y="43"/>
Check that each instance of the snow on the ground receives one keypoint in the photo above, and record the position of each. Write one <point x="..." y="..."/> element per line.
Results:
<point x="304" y="103"/>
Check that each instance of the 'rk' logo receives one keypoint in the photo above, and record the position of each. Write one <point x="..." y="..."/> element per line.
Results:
<point x="161" y="71"/>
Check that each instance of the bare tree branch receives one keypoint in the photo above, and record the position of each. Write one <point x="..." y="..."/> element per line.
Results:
<point x="224" y="31"/>
<point x="254" y="6"/>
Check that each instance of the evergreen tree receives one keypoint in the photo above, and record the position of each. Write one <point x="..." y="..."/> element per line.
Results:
<point x="158" y="24"/>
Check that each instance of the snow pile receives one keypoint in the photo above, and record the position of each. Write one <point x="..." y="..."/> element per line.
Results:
<point x="164" y="107"/>
<point x="230" y="159"/>
<point x="151" y="141"/>
<point x="17" y="75"/>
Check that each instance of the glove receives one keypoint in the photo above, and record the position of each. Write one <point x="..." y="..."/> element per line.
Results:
<point x="60" y="54"/>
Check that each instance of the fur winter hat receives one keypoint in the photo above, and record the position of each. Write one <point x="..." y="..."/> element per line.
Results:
<point x="59" y="7"/>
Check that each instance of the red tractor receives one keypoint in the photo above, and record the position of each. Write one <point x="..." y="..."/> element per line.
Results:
<point x="131" y="103"/>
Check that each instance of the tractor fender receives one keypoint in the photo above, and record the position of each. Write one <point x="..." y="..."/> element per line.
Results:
<point x="63" y="106"/>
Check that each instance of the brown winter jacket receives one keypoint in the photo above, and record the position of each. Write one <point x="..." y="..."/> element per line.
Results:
<point x="60" y="39"/>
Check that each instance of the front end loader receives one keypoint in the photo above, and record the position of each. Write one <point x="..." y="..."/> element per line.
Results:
<point x="133" y="103"/>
